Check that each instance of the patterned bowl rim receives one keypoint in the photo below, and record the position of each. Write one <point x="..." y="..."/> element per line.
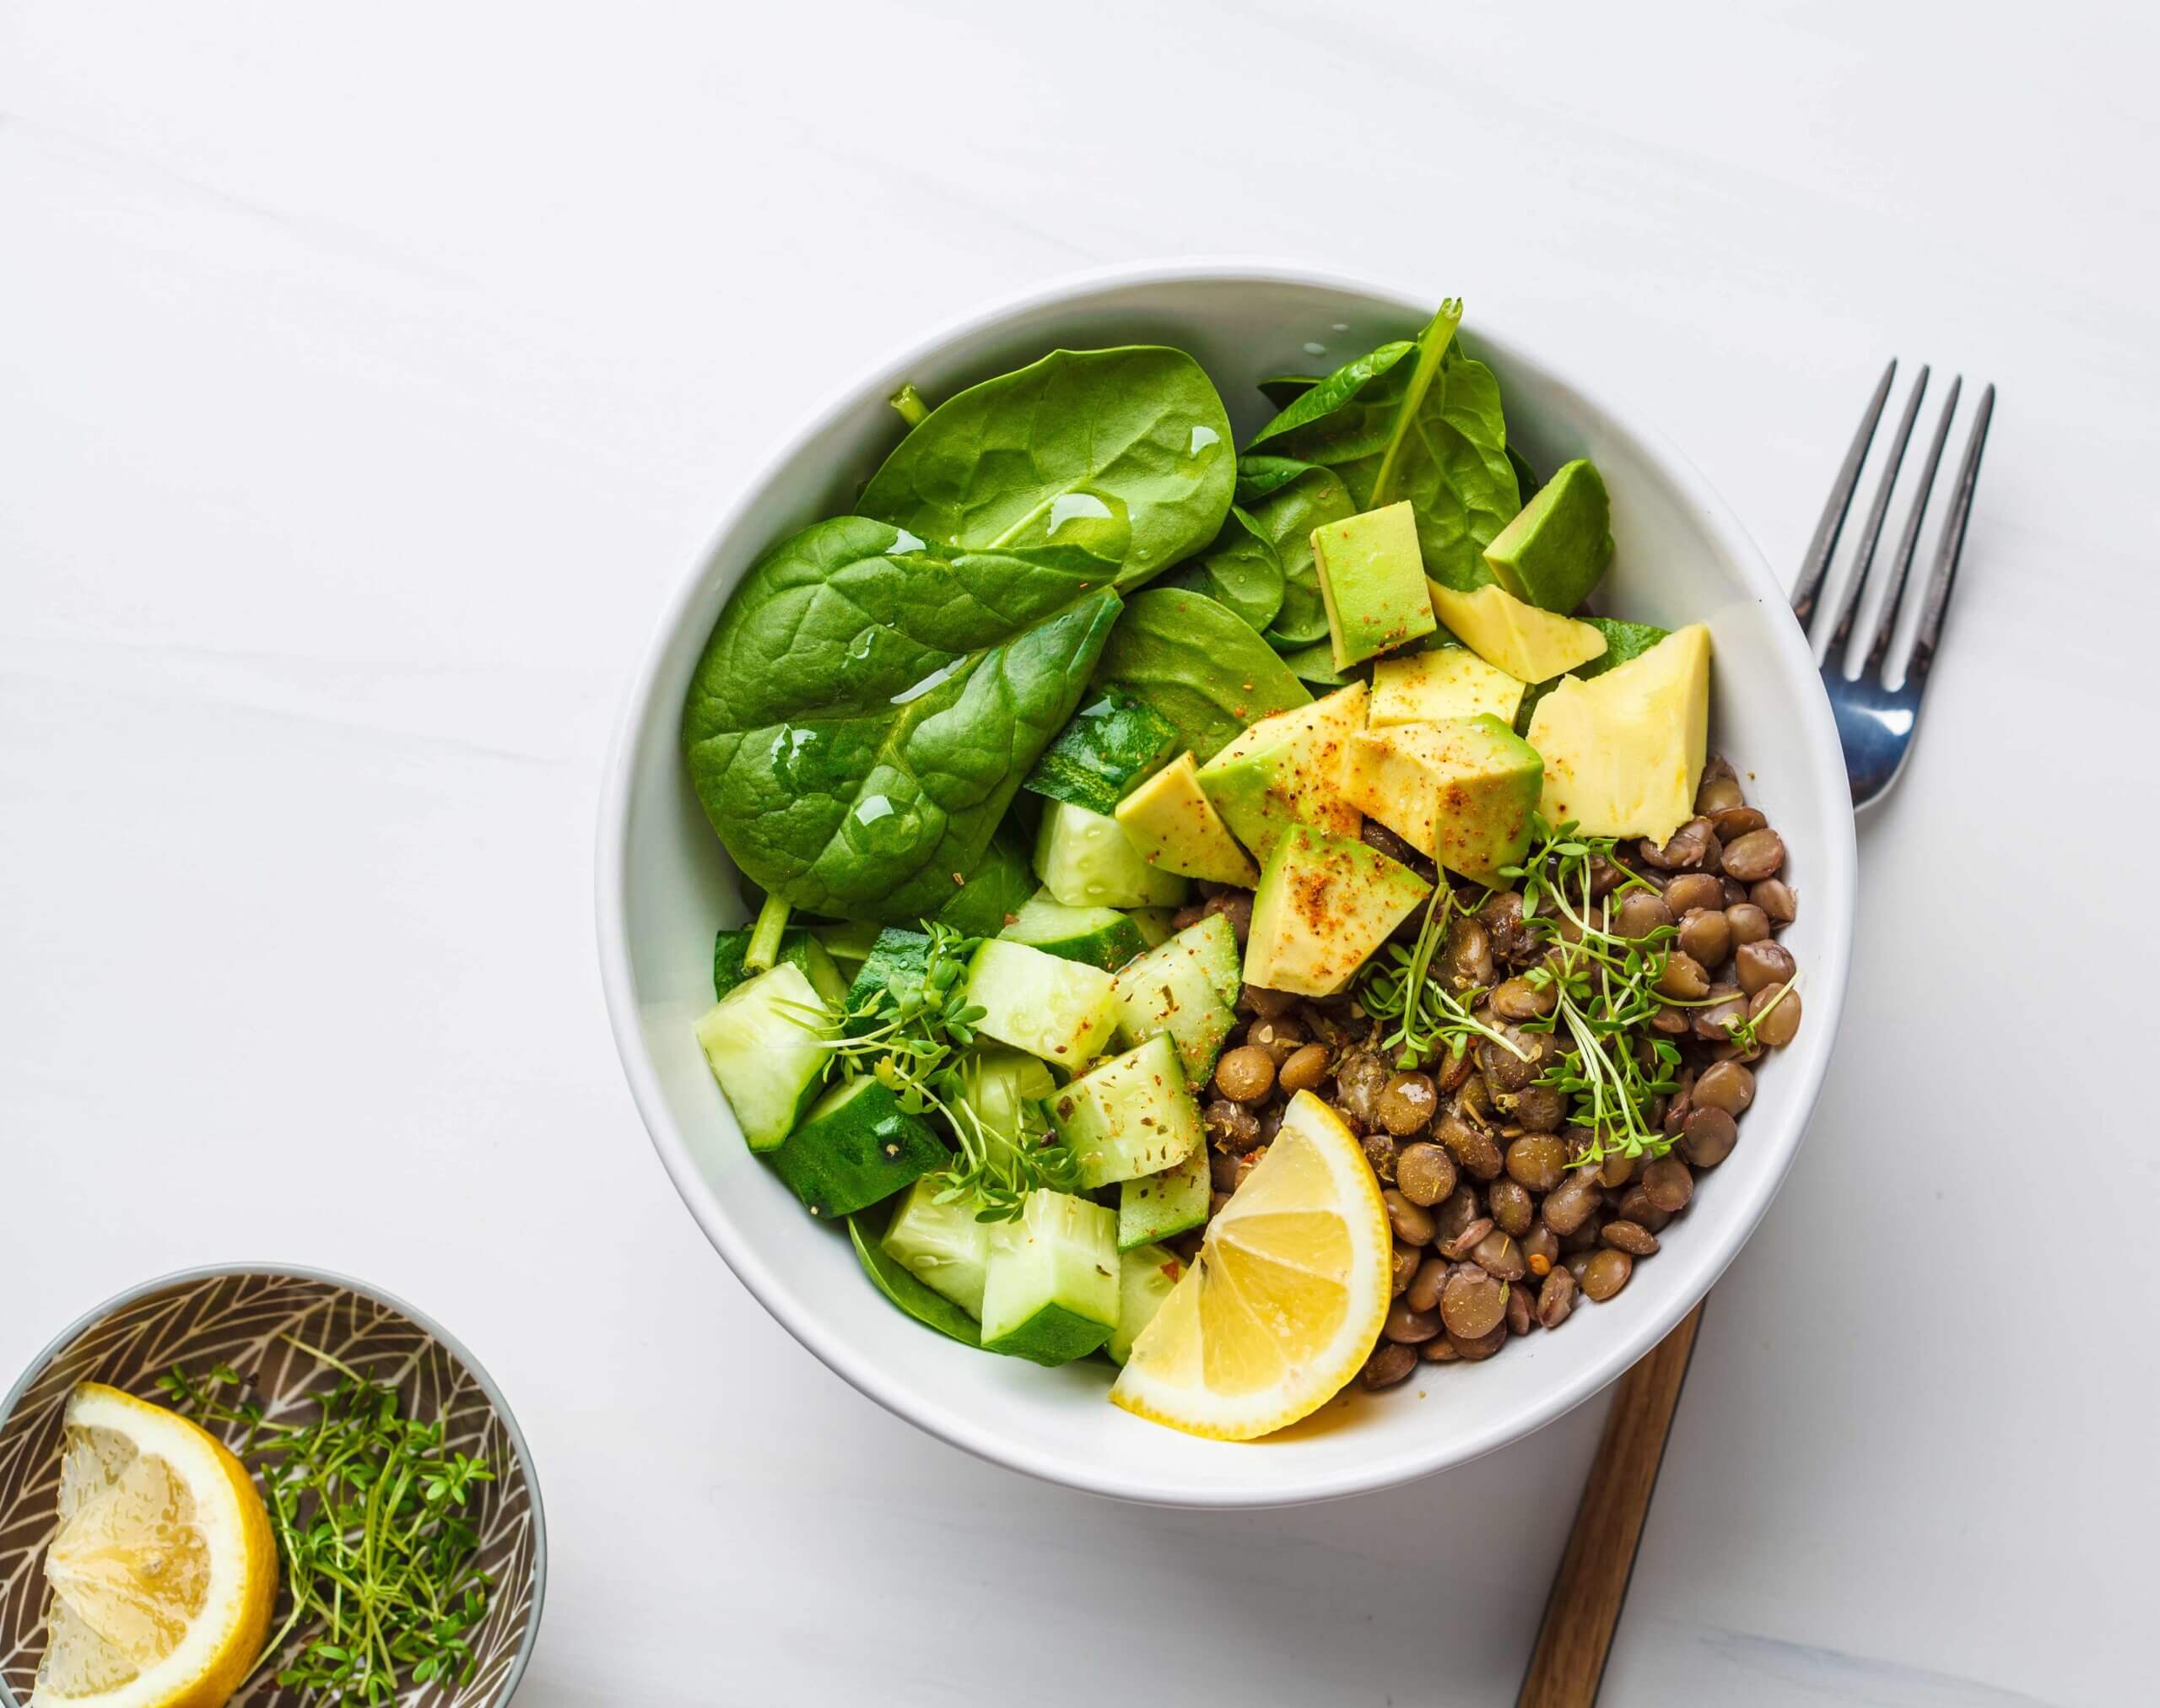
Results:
<point x="420" y="1319"/>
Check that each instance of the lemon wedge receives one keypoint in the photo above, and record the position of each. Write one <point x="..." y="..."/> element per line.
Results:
<point x="1285" y="1299"/>
<point x="163" y="1571"/>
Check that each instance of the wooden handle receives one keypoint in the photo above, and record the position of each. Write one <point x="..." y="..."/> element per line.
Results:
<point x="1580" y="1615"/>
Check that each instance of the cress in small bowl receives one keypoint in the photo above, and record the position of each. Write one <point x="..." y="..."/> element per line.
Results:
<point x="235" y="1398"/>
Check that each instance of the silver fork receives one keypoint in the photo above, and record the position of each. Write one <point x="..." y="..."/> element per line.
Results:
<point x="1876" y="720"/>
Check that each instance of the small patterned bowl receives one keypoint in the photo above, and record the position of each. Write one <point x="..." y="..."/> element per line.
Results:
<point x="206" y="1317"/>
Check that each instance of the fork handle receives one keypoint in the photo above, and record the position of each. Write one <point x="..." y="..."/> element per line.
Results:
<point x="1568" y="1664"/>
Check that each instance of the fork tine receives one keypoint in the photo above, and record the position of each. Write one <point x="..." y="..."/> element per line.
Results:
<point x="1840" y="502"/>
<point x="1871" y="534"/>
<point x="1954" y="545"/>
<point x="1901" y="561"/>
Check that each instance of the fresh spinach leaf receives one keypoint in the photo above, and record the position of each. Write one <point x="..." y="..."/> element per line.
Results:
<point x="1623" y="642"/>
<point x="931" y="1310"/>
<point x="1315" y="664"/>
<point x="1283" y="390"/>
<point x="868" y="705"/>
<point x="1336" y="394"/>
<point x="1241" y="570"/>
<point x="1194" y="661"/>
<point x="1420" y="421"/>
<point x="1112" y="742"/>
<point x="1259" y="476"/>
<point x="1287" y="516"/>
<point x="1526" y="480"/>
<point x="1125" y="453"/>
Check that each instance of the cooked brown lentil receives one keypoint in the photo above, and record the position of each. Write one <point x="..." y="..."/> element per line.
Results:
<point x="1502" y="1225"/>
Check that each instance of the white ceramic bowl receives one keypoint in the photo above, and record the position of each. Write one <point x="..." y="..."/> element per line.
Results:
<point x="665" y="885"/>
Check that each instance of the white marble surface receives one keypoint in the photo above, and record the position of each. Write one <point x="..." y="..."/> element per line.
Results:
<point x="367" y="374"/>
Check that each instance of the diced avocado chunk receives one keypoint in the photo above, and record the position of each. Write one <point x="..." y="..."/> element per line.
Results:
<point x="1624" y="643"/>
<point x="856" y="1146"/>
<point x="897" y="953"/>
<point x="1110" y="744"/>
<point x="1129" y="1115"/>
<point x="941" y="1245"/>
<point x="1162" y="1206"/>
<point x="1146" y="1274"/>
<point x="1063" y="1011"/>
<point x="1372" y="580"/>
<point x="1530" y="645"/>
<point x="796" y="946"/>
<point x="1624" y="752"/>
<point x="1086" y="860"/>
<point x="1050" y="1293"/>
<point x="1461" y="793"/>
<point x="1175" y="827"/>
<point x="765" y="1044"/>
<point x="1102" y="936"/>
<point x="1323" y="904"/>
<point x="1288" y="770"/>
<point x="1187" y="987"/>
<point x="1432" y="687"/>
<point x="1556" y="548"/>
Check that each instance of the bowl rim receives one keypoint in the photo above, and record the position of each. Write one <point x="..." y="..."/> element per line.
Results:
<point x="420" y="1319"/>
<point x="1836" y="878"/>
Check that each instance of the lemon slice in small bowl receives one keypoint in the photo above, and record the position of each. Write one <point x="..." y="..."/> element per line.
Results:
<point x="1285" y="1299"/>
<point x="163" y="1570"/>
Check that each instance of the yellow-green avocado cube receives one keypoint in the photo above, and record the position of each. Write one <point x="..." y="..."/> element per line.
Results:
<point x="1288" y="770"/>
<point x="1460" y="792"/>
<point x="1530" y="645"/>
<point x="1324" y="904"/>
<point x="1556" y="548"/>
<point x="1372" y="580"/>
<point x="1447" y="682"/>
<point x="1624" y="752"/>
<point x="1175" y="827"/>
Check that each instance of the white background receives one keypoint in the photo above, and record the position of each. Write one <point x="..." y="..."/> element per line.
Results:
<point x="368" y="375"/>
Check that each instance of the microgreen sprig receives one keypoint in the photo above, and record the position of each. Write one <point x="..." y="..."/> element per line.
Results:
<point x="1428" y="1016"/>
<point x="377" y="1544"/>
<point x="1613" y="1063"/>
<point x="915" y="1033"/>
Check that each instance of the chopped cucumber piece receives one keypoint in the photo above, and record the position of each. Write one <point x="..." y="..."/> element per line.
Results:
<point x="1154" y="923"/>
<point x="896" y="952"/>
<point x="1060" y="1010"/>
<point x="1162" y="1206"/>
<point x="941" y="1245"/>
<point x="899" y="1284"/>
<point x="856" y="1148"/>
<point x="997" y="1086"/>
<point x="1086" y="860"/>
<point x="1050" y="1293"/>
<point x="1187" y="988"/>
<point x="1145" y="1276"/>
<point x="1102" y="936"/>
<point x="849" y="940"/>
<point x="767" y="1052"/>
<point x="1110" y="745"/>
<point x="797" y="948"/>
<point x="1128" y="1117"/>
